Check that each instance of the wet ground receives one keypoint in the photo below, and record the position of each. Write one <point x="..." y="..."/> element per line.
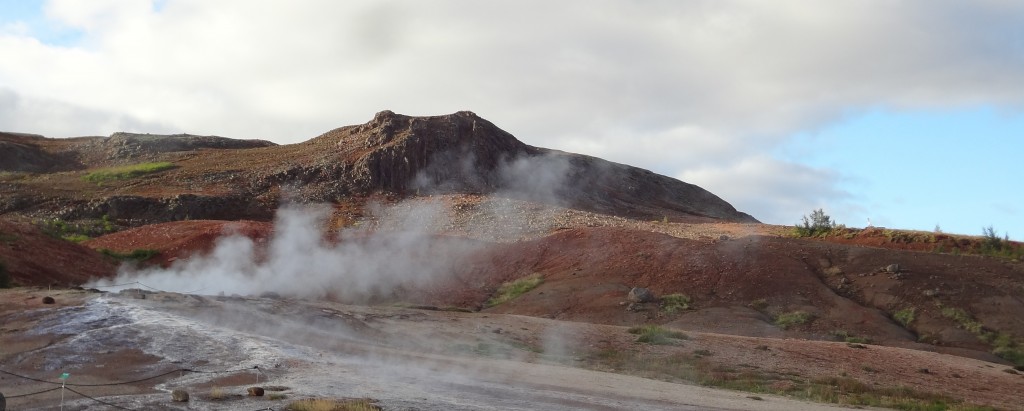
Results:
<point x="404" y="359"/>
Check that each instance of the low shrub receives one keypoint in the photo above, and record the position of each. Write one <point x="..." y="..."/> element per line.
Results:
<point x="787" y="320"/>
<point x="674" y="303"/>
<point x="905" y="316"/>
<point x="847" y="337"/>
<point x="759" y="304"/>
<point x="218" y="393"/>
<point x="965" y="320"/>
<point x="657" y="335"/>
<point x="512" y="289"/>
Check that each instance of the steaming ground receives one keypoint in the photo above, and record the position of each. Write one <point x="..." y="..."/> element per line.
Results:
<point x="405" y="359"/>
<point x="299" y="261"/>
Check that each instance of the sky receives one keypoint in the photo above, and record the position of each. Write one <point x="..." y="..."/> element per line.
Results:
<point x="909" y="114"/>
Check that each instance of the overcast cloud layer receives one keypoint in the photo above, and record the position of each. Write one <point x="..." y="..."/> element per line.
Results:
<point x="700" y="90"/>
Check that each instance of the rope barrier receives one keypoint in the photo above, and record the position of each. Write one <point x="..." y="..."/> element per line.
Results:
<point x="32" y="393"/>
<point x="149" y="287"/>
<point x="115" y="285"/>
<point x="255" y="367"/>
<point x="68" y="386"/>
<point x="99" y="401"/>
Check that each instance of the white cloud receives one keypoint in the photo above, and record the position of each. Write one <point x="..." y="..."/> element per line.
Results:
<point x="55" y="118"/>
<point x="783" y="191"/>
<point x="677" y="87"/>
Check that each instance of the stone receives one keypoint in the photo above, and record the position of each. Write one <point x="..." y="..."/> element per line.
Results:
<point x="640" y="295"/>
<point x="255" y="391"/>
<point x="49" y="300"/>
<point x="179" y="396"/>
<point x="892" y="268"/>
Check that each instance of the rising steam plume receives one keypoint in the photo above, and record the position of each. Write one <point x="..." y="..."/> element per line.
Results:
<point x="299" y="260"/>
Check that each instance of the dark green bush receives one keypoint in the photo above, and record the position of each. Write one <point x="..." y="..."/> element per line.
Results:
<point x="817" y="224"/>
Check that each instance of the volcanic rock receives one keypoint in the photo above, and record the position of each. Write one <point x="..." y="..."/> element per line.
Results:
<point x="640" y="295"/>
<point x="179" y="396"/>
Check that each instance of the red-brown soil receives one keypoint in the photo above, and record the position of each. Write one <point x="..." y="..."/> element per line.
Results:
<point x="178" y="239"/>
<point x="34" y="258"/>
<point x="739" y="285"/>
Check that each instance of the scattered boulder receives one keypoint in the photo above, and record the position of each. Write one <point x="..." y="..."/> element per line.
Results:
<point x="892" y="268"/>
<point x="49" y="300"/>
<point x="179" y="396"/>
<point x="723" y="237"/>
<point x="255" y="391"/>
<point x="640" y="295"/>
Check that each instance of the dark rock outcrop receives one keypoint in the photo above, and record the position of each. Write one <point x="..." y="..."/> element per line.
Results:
<point x="130" y="145"/>
<point x="462" y="152"/>
<point x="23" y="153"/>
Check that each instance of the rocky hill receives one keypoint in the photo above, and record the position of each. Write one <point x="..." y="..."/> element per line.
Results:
<point x="394" y="155"/>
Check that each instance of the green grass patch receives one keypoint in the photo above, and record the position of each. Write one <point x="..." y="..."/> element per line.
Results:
<point x="791" y="319"/>
<point x="125" y="172"/>
<point x="512" y="289"/>
<point x="847" y="337"/>
<point x="1003" y="344"/>
<point x="77" y="232"/>
<point x="965" y="320"/>
<point x="698" y="368"/>
<point x="674" y="303"/>
<point x="325" y="404"/>
<point x="905" y="316"/>
<point x="75" y="238"/>
<point x="657" y="335"/>
<point x="136" y="255"/>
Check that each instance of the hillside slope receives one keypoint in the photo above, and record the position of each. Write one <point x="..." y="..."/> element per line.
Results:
<point x="392" y="154"/>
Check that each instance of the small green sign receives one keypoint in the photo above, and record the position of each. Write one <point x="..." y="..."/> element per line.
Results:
<point x="64" y="376"/>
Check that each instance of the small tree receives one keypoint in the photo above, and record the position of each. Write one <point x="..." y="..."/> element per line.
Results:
<point x="818" y="223"/>
<point x="991" y="241"/>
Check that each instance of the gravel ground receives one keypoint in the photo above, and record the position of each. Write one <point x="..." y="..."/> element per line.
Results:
<point x="404" y="359"/>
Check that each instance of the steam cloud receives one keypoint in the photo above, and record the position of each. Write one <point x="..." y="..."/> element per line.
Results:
<point x="299" y="261"/>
